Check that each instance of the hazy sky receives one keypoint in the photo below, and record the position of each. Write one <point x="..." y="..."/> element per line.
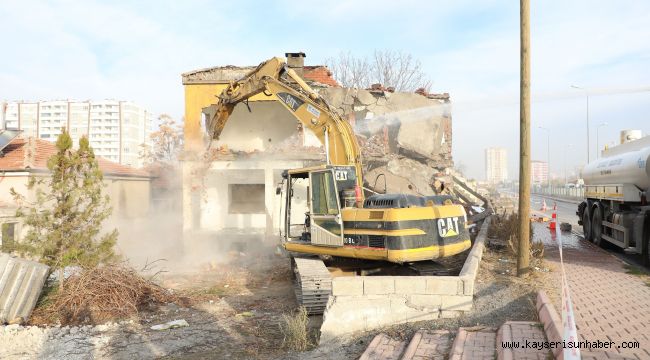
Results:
<point x="137" y="51"/>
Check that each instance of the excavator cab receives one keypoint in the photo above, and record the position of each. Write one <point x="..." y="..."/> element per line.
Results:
<point x="321" y="193"/>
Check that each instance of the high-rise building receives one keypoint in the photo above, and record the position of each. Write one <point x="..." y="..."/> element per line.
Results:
<point x="496" y="165"/>
<point x="116" y="129"/>
<point x="538" y="172"/>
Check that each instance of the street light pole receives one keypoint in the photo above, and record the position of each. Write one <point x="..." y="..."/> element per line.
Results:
<point x="598" y="139"/>
<point x="587" y="96"/>
<point x="548" y="155"/>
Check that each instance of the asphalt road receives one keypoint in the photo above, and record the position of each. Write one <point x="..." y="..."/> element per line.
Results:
<point x="566" y="212"/>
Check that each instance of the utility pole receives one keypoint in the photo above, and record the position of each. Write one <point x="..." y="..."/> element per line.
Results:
<point x="523" y="258"/>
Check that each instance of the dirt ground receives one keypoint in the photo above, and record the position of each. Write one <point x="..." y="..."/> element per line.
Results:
<point x="234" y="312"/>
<point x="235" y="308"/>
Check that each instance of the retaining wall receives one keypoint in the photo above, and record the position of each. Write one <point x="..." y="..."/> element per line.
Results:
<point x="362" y="303"/>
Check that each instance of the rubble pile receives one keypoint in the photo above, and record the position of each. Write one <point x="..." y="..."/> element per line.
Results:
<point x="404" y="136"/>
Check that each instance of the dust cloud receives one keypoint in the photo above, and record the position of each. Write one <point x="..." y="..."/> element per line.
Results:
<point x="396" y="118"/>
<point x="159" y="240"/>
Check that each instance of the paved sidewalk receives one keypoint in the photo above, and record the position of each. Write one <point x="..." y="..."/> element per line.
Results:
<point x="429" y="345"/>
<point x="609" y="304"/>
<point x="382" y="347"/>
<point x="474" y="344"/>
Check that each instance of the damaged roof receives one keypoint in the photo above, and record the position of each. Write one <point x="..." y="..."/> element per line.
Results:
<point x="24" y="154"/>
<point x="225" y="74"/>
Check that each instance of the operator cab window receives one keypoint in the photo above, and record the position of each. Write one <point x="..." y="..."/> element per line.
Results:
<point x="324" y="193"/>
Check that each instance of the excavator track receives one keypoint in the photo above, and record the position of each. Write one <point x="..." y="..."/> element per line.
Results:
<point x="312" y="284"/>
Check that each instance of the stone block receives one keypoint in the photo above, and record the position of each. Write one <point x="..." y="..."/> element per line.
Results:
<point x="428" y="302"/>
<point x="442" y="286"/>
<point x="468" y="286"/>
<point x="378" y="285"/>
<point x="458" y="302"/>
<point x="411" y="130"/>
<point x="347" y="285"/>
<point x="448" y="314"/>
<point x="470" y="269"/>
<point x="410" y="285"/>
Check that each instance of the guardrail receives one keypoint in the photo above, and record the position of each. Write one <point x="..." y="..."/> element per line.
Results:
<point x="562" y="192"/>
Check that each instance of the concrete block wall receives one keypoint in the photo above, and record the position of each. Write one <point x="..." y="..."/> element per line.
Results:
<point x="364" y="303"/>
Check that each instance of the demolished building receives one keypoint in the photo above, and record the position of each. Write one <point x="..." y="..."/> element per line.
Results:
<point x="405" y="138"/>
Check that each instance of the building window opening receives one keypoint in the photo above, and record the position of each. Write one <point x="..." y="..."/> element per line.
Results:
<point x="246" y="199"/>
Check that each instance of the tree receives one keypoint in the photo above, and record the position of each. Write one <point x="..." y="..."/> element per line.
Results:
<point x="65" y="219"/>
<point x="167" y="142"/>
<point x="394" y="69"/>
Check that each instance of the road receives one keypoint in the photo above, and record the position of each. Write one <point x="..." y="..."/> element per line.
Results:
<point x="566" y="212"/>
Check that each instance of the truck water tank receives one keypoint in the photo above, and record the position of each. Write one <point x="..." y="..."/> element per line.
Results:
<point x="630" y="135"/>
<point x="632" y="167"/>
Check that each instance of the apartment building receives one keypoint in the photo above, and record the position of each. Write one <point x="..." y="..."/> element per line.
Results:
<point x="116" y="129"/>
<point x="496" y="165"/>
<point x="538" y="172"/>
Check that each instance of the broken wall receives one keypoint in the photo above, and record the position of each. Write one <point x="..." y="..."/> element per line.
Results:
<point x="404" y="136"/>
<point x="260" y="126"/>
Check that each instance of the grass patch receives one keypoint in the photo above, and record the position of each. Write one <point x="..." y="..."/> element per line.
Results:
<point x="506" y="228"/>
<point x="294" y="328"/>
<point x="633" y="270"/>
<point x="215" y="290"/>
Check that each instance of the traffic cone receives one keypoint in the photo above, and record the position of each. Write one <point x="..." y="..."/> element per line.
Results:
<point x="543" y="205"/>
<point x="553" y="221"/>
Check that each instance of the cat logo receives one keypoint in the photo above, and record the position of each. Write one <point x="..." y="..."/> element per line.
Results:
<point x="448" y="227"/>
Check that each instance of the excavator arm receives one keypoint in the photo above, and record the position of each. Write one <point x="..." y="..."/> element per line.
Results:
<point x="275" y="79"/>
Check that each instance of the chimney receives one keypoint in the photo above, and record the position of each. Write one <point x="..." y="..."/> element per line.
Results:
<point x="296" y="61"/>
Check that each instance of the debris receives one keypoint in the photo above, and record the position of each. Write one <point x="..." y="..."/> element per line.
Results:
<point x="21" y="283"/>
<point x="565" y="227"/>
<point x="171" y="325"/>
<point x="104" y="293"/>
<point x="246" y="314"/>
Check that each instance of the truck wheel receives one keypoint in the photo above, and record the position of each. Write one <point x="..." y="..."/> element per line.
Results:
<point x="586" y="224"/>
<point x="597" y="227"/>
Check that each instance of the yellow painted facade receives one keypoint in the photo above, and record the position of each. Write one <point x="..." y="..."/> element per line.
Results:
<point x="197" y="97"/>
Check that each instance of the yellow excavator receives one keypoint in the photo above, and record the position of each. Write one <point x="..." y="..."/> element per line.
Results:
<point x="340" y="222"/>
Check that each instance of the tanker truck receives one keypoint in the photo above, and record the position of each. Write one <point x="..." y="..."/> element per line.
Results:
<point x="615" y="209"/>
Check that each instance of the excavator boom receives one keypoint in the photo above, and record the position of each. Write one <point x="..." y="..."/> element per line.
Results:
<point x="274" y="78"/>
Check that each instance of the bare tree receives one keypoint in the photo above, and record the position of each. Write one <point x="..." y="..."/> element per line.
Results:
<point x="395" y="69"/>
<point x="167" y="142"/>
<point x="350" y="71"/>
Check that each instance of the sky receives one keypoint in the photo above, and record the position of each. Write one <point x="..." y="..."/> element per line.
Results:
<point x="137" y="50"/>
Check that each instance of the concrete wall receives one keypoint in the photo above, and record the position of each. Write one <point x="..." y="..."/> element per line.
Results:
<point x="266" y="125"/>
<point x="364" y="303"/>
<point x="129" y="197"/>
<point x="207" y="208"/>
